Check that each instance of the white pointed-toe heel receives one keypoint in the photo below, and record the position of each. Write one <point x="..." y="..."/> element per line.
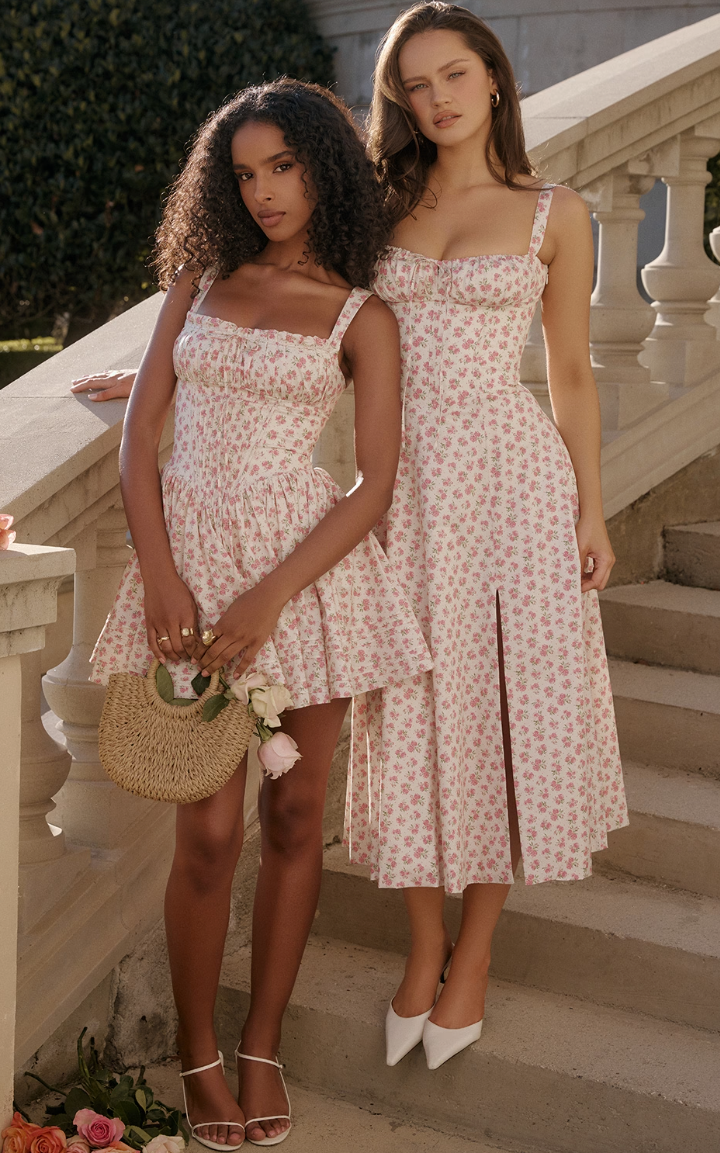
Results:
<point x="276" y="1116"/>
<point x="402" y="1034"/>
<point x="442" y="1044"/>
<point x="202" y="1124"/>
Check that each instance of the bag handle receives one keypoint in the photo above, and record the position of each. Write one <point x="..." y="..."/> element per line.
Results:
<point x="179" y="710"/>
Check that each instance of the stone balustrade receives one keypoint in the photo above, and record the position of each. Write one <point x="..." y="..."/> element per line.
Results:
<point x="93" y="860"/>
<point x="29" y="579"/>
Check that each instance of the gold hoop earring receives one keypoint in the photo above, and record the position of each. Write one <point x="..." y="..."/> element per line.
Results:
<point x="495" y="99"/>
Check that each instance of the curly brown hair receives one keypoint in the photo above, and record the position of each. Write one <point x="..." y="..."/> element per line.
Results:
<point x="205" y="223"/>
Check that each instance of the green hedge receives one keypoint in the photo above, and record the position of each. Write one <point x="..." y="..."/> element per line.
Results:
<point x="98" y="100"/>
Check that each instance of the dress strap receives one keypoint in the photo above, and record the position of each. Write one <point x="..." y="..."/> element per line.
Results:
<point x="204" y="284"/>
<point x="351" y="307"/>
<point x="541" y="217"/>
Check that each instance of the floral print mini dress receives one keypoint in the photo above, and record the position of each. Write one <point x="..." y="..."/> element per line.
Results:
<point x="240" y="492"/>
<point x="484" y="513"/>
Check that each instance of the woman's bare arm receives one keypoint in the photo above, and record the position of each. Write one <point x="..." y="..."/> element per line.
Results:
<point x="169" y="605"/>
<point x="372" y="348"/>
<point x="568" y="249"/>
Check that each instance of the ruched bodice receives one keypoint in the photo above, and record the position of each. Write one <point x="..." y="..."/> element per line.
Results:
<point x="483" y="525"/>
<point x="240" y="492"/>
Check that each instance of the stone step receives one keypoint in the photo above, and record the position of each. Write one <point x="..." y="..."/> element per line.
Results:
<point x="323" y="1123"/>
<point x="549" y="1071"/>
<point x="692" y="554"/>
<point x="674" y="831"/>
<point x="611" y="940"/>
<point x="667" y="717"/>
<point x="663" y="624"/>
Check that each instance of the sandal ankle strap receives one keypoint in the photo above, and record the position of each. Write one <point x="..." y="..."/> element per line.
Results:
<point x="262" y="1060"/>
<point x="202" y="1068"/>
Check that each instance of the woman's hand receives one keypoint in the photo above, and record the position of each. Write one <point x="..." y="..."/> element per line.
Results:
<point x="596" y="554"/>
<point x="115" y="385"/>
<point x="169" y="608"/>
<point x="243" y="628"/>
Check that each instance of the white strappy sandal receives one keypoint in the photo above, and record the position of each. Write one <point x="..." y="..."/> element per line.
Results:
<point x="278" y="1116"/>
<point x="202" y="1124"/>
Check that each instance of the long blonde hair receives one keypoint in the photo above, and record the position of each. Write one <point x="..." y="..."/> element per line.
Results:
<point x="403" y="156"/>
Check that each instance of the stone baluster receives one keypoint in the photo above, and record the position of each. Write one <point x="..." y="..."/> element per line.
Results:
<point x="620" y="318"/>
<point x="682" y="348"/>
<point x="48" y="868"/>
<point x="91" y="810"/>
<point x="29" y="578"/>
<point x="713" y="314"/>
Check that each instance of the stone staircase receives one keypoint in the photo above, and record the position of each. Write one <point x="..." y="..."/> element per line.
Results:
<point x="603" y="1022"/>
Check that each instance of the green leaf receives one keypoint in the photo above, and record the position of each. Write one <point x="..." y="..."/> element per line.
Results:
<point x="128" y="1112"/>
<point x="214" y="706"/>
<point x="136" y="1136"/>
<point x="200" y="683"/>
<point x="183" y="701"/>
<point x="164" y="683"/>
<point x="141" y="1099"/>
<point x="76" y="1099"/>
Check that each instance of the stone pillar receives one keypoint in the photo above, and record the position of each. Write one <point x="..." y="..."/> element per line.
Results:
<point x="29" y="577"/>
<point x="620" y="318"/>
<point x="533" y="363"/>
<point x="335" y="450"/>
<point x="682" y="349"/>
<point x="91" y="809"/>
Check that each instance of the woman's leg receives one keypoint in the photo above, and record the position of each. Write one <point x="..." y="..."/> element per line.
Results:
<point x="291" y="814"/>
<point x="462" y="1001"/>
<point x="430" y="947"/>
<point x="208" y="841"/>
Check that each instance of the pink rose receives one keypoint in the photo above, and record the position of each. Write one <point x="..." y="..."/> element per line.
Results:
<point x="116" y="1145"/>
<point x="278" y="754"/>
<point x="6" y="539"/>
<point x="242" y="687"/>
<point x="97" y="1130"/>
<point x="48" y="1140"/>
<point x="18" y="1135"/>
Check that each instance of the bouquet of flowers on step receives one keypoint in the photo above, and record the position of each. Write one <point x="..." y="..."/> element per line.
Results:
<point x="278" y="752"/>
<point x="104" y="1112"/>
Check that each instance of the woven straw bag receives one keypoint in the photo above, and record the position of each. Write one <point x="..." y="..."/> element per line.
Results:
<point x="168" y="752"/>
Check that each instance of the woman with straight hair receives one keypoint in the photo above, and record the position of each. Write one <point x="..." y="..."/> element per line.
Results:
<point x="507" y="747"/>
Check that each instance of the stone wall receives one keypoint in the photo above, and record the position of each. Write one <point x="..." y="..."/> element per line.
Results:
<point x="546" y="40"/>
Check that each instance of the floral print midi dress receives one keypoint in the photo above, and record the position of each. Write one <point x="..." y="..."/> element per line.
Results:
<point x="484" y="511"/>
<point x="240" y="492"/>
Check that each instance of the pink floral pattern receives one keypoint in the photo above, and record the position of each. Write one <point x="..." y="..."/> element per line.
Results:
<point x="485" y="505"/>
<point x="239" y="494"/>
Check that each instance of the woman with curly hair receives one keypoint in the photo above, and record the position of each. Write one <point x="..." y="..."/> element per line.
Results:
<point x="275" y="224"/>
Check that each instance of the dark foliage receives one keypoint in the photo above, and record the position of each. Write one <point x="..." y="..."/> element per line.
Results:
<point x="97" y="101"/>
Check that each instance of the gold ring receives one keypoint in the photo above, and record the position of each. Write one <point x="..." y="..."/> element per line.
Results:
<point x="208" y="638"/>
<point x="161" y="639"/>
<point x="187" y="632"/>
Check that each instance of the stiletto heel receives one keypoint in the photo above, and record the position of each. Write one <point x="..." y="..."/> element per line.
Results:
<point x="441" y="1044"/>
<point x="202" y="1124"/>
<point x="277" y="1116"/>
<point x="403" y="1033"/>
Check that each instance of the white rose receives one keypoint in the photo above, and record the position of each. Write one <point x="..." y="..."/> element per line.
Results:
<point x="278" y="754"/>
<point x="269" y="702"/>
<point x="243" y="686"/>
<point x="165" y="1144"/>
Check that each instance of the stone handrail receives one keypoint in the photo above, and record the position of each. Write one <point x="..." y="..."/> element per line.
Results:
<point x="609" y="132"/>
